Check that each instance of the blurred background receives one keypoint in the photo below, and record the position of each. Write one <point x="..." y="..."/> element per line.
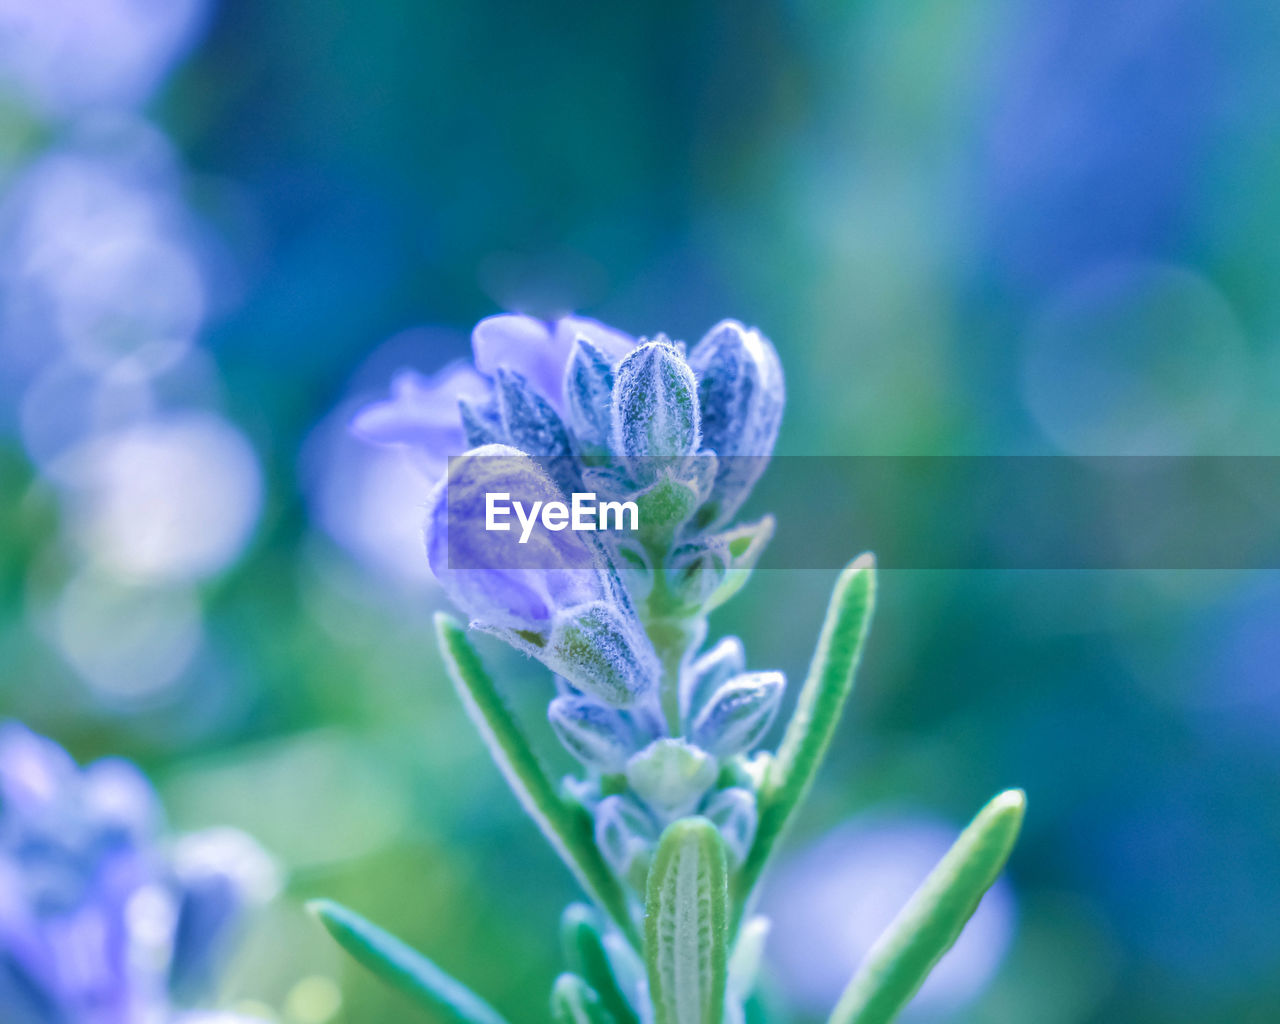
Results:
<point x="987" y="228"/>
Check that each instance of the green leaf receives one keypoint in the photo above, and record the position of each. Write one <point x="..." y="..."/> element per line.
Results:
<point x="932" y="920"/>
<point x="686" y="924"/>
<point x="817" y="713"/>
<point x="402" y="968"/>
<point x="567" y="826"/>
<point x="585" y="952"/>
<point x="573" y="1001"/>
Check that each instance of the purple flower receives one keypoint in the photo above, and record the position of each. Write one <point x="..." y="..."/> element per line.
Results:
<point x="423" y="414"/>
<point x="493" y="575"/>
<point x="539" y="350"/>
<point x="89" y="900"/>
<point x="545" y="589"/>
<point x="76" y="860"/>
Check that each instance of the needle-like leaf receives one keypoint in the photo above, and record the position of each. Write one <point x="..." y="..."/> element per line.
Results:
<point x="826" y="688"/>
<point x="573" y="1001"/>
<point x="567" y="827"/>
<point x="403" y="968"/>
<point x="586" y="954"/>
<point x="932" y="920"/>
<point x="686" y="924"/>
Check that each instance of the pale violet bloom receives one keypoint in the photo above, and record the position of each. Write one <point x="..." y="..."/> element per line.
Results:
<point x="100" y="921"/>
<point x="492" y="575"/>
<point x="539" y="350"/>
<point x="423" y="413"/>
<point x="552" y="596"/>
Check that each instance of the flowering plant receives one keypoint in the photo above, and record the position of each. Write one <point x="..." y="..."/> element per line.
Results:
<point x="676" y="812"/>
<point x="101" y="920"/>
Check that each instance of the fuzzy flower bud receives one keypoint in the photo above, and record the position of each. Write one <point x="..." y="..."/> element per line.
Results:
<point x="655" y="404"/>
<point x="671" y="776"/>
<point x="739" y="713"/>
<point x="596" y="735"/>
<point x="733" y="812"/>
<point x="741" y="393"/>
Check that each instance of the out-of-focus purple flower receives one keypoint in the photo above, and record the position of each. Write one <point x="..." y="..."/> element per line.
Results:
<point x="78" y="913"/>
<point x="830" y="903"/>
<point x="66" y="56"/>
<point x="90" y="902"/>
<point x="218" y="874"/>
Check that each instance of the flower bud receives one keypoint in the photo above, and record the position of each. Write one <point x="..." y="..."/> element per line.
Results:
<point x="708" y="672"/>
<point x="624" y="833"/>
<point x="671" y="775"/>
<point x="733" y="812"/>
<point x="596" y="735"/>
<point x="741" y="393"/>
<point x="497" y="581"/>
<point x="481" y="423"/>
<point x="696" y="570"/>
<point x="219" y="874"/>
<point x="739" y="713"/>
<point x="601" y="649"/>
<point x="573" y="1001"/>
<point x="529" y="422"/>
<point x="655" y="404"/>
<point x="588" y="393"/>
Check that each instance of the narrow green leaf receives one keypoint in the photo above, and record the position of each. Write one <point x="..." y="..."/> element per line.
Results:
<point x="585" y="952"/>
<point x="932" y="920"/>
<point x="573" y="1001"/>
<point x="567" y="826"/>
<point x="686" y="924"/>
<point x="403" y="968"/>
<point x="817" y="713"/>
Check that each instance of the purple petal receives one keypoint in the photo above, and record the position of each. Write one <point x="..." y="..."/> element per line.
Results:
<point x="422" y="413"/>
<point x="33" y="770"/>
<point x="489" y="575"/>
<point x="612" y="342"/>
<point x="538" y="350"/>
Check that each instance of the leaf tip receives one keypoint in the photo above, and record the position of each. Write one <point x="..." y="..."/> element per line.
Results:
<point x="333" y="917"/>
<point x="865" y="562"/>
<point x="446" y="624"/>
<point x="1008" y="808"/>
<point x="323" y="910"/>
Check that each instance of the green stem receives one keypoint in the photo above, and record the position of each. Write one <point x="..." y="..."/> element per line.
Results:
<point x="672" y="638"/>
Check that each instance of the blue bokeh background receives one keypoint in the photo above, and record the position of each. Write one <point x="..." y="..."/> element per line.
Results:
<point x="991" y="228"/>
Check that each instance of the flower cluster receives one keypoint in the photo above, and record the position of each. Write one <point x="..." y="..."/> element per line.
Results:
<point x="662" y="728"/>
<point x="101" y="922"/>
<point x="675" y="812"/>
